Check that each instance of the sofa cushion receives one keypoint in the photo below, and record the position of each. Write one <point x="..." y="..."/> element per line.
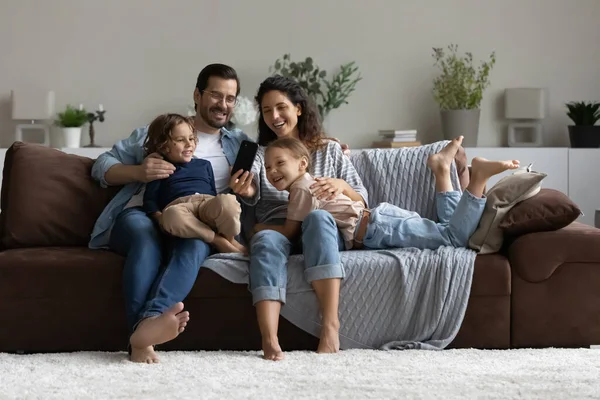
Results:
<point x="48" y="198"/>
<point x="548" y="210"/>
<point x="510" y="190"/>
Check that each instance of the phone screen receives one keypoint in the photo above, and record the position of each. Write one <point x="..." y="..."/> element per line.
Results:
<point x="245" y="156"/>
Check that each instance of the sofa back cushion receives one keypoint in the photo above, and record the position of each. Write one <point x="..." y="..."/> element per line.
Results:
<point x="48" y="198"/>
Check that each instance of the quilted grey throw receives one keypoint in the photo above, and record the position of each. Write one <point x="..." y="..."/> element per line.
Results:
<point x="390" y="299"/>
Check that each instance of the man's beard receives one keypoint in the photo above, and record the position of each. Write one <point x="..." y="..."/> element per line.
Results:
<point x="206" y="116"/>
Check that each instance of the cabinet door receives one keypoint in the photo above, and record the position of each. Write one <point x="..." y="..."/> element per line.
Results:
<point x="553" y="161"/>
<point x="584" y="181"/>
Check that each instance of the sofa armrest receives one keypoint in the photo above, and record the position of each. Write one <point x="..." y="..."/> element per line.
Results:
<point x="535" y="256"/>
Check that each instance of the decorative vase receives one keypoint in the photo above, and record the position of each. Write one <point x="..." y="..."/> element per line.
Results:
<point x="461" y="122"/>
<point x="72" y="137"/>
<point x="584" y="136"/>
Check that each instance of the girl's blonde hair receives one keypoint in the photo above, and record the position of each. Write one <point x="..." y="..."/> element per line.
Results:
<point x="295" y="146"/>
<point x="159" y="131"/>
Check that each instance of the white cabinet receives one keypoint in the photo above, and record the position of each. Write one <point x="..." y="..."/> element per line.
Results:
<point x="584" y="181"/>
<point x="553" y="161"/>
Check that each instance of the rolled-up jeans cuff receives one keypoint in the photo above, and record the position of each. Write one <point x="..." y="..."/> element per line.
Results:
<point x="143" y="317"/>
<point x="268" y="293"/>
<point x="327" y="271"/>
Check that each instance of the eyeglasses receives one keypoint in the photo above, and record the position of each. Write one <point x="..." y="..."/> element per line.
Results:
<point x="218" y="96"/>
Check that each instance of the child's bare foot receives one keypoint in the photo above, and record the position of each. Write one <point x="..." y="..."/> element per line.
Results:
<point x="223" y="245"/>
<point x="443" y="159"/>
<point x="160" y="329"/>
<point x="144" y="355"/>
<point x="271" y="349"/>
<point x="482" y="168"/>
<point x="329" y="341"/>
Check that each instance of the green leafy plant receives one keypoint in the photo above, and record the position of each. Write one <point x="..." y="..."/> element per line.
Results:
<point x="460" y="85"/>
<point x="583" y="113"/>
<point x="328" y="94"/>
<point x="71" y="117"/>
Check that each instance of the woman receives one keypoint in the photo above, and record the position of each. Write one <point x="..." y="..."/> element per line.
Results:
<point x="286" y="110"/>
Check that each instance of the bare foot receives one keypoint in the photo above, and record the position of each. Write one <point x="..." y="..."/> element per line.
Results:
<point x="443" y="159"/>
<point x="144" y="355"/>
<point x="271" y="349"/>
<point x="330" y="339"/>
<point x="160" y="329"/>
<point x="223" y="245"/>
<point x="483" y="169"/>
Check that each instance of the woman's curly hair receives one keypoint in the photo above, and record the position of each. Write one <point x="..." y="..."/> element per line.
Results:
<point x="159" y="131"/>
<point x="310" y="131"/>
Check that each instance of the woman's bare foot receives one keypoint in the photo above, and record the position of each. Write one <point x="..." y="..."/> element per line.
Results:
<point x="443" y="159"/>
<point x="160" y="329"/>
<point x="271" y="349"/>
<point x="329" y="341"/>
<point x="482" y="168"/>
<point x="144" y="355"/>
<point x="223" y="245"/>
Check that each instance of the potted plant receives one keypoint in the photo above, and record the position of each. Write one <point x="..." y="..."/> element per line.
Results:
<point x="584" y="133"/>
<point x="71" y="120"/>
<point x="458" y="90"/>
<point x="327" y="94"/>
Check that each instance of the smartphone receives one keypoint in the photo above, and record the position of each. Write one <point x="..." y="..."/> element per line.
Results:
<point x="245" y="156"/>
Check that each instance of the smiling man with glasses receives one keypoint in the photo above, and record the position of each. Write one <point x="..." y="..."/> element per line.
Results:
<point x="154" y="286"/>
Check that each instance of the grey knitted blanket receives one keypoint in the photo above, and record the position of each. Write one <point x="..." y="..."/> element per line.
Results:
<point x="390" y="299"/>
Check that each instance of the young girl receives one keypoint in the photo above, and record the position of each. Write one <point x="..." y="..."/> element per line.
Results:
<point x="385" y="226"/>
<point x="186" y="203"/>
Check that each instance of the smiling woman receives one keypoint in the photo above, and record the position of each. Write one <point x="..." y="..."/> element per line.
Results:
<point x="287" y="111"/>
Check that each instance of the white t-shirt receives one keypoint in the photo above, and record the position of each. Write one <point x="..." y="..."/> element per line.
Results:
<point x="210" y="148"/>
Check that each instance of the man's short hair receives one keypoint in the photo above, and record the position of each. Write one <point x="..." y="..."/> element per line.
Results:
<point x="219" y="70"/>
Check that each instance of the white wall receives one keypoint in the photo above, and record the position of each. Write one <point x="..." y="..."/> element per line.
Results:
<point x="141" y="57"/>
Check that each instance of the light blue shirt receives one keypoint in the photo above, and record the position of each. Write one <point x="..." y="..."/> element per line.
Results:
<point x="130" y="152"/>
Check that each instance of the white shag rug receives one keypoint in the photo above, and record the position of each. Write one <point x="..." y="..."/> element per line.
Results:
<point x="351" y="374"/>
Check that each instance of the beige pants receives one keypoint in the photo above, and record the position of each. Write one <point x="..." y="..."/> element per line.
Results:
<point x="197" y="216"/>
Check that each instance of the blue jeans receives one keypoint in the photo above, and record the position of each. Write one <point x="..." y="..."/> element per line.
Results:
<point x="149" y="289"/>
<point x="392" y="227"/>
<point x="269" y="251"/>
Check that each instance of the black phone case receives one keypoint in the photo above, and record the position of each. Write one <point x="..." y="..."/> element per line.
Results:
<point x="245" y="156"/>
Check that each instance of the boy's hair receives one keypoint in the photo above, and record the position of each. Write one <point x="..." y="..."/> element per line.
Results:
<point x="159" y="131"/>
<point x="297" y="148"/>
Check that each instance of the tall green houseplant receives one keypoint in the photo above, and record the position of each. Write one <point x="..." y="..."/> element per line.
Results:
<point x="458" y="90"/>
<point x="327" y="94"/>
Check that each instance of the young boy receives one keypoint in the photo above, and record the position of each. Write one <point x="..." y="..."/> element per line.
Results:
<point x="287" y="162"/>
<point x="186" y="204"/>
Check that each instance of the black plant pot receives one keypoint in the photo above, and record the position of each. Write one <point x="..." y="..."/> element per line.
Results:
<point x="582" y="136"/>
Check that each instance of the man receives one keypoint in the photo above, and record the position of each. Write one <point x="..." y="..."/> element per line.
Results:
<point x="154" y="296"/>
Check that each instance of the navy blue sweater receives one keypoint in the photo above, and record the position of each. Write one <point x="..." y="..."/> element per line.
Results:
<point x="189" y="178"/>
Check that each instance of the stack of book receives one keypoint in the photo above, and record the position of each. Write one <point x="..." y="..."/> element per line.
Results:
<point x="397" y="138"/>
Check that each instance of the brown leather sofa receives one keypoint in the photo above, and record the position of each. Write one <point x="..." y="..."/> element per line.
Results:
<point x="541" y="290"/>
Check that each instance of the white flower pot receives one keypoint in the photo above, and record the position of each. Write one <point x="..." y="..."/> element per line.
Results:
<point x="72" y="137"/>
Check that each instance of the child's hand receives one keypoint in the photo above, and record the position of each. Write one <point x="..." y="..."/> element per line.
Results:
<point x="328" y="188"/>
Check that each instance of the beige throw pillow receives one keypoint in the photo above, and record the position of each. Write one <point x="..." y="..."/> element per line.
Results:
<point x="503" y="196"/>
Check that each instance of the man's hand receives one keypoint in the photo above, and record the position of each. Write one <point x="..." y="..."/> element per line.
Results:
<point x="154" y="167"/>
<point x="328" y="188"/>
<point x="241" y="183"/>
